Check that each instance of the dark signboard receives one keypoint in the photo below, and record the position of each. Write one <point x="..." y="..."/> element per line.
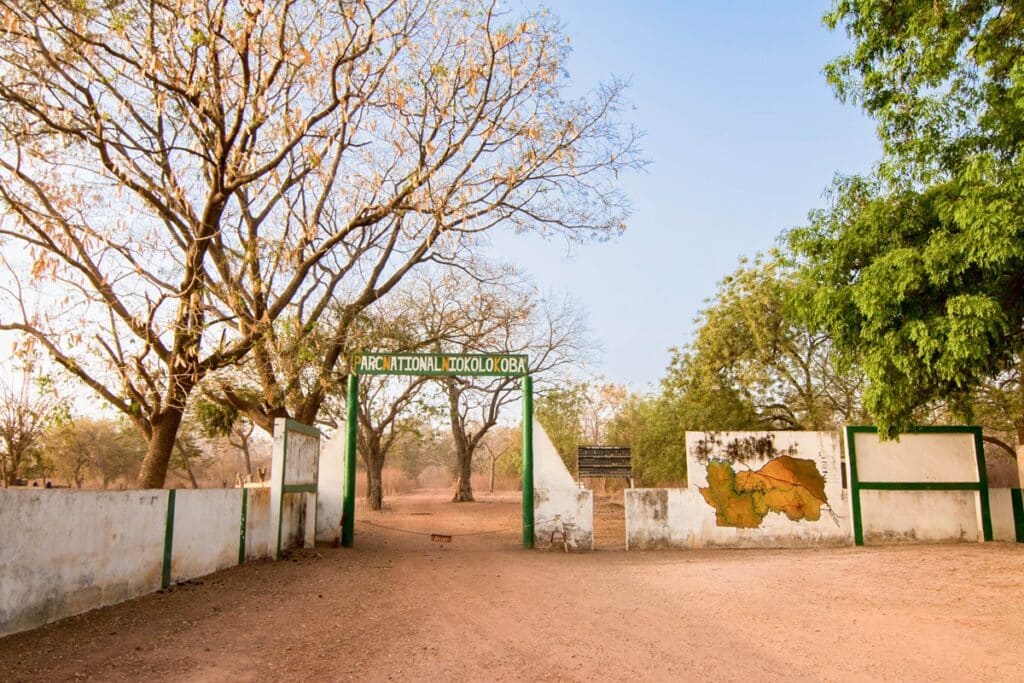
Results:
<point x="604" y="461"/>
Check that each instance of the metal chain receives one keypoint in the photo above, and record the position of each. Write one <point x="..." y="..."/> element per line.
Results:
<point x="433" y="533"/>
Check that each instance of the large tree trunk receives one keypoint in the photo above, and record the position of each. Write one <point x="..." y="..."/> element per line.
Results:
<point x="463" y="449"/>
<point x="494" y="461"/>
<point x="159" y="449"/>
<point x="464" y="485"/>
<point x="374" y="480"/>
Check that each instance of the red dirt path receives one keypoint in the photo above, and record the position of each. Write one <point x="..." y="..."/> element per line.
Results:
<point x="398" y="606"/>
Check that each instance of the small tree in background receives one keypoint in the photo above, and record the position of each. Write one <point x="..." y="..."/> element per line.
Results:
<point x="27" y="410"/>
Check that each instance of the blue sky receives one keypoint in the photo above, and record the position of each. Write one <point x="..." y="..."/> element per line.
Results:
<point x="744" y="135"/>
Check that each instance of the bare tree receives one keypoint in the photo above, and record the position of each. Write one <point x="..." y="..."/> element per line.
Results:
<point x="553" y="335"/>
<point x="497" y="444"/>
<point x="468" y="130"/>
<point x="183" y="177"/>
<point x="165" y="171"/>
<point x="432" y="309"/>
<point x="382" y="400"/>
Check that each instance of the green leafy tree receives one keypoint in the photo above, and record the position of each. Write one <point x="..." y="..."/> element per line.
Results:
<point x="918" y="273"/>
<point x="752" y="339"/>
<point x="85" y="449"/>
<point x="561" y="412"/>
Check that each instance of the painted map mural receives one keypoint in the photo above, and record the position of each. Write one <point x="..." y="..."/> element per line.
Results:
<point x="785" y="485"/>
<point x="749" y="477"/>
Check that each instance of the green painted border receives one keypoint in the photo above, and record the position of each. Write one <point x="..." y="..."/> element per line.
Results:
<point x="280" y="498"/>
<point x="851" y="462"/>
<point x="919" y="486"/>
<point x="298" y="488"/>
<point x="165" y="575"/>
<point x="981" y="486"/>
<point x="528" y="520"/>
<point x="921" y="429"/>
<point x="241" y="531"/>
<point x="293" y="426"/>
<point x="986" y="506"/>
<point x="1017" y="502"/>
<point x="348" y="494"/>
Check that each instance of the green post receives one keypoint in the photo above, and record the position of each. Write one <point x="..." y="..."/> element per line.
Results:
<point x="527" y="461"/>
<point x="348" y="512"/>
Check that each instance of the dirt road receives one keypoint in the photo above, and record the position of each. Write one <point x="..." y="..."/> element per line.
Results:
<point x="401" y="607"/>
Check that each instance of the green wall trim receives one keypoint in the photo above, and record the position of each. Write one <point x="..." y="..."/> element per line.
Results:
<point x="348" y="495"/>
<point x="922" y="429"/>
<point x="981" y="486"/>
<point x="919" y="486"/>
<point x="851" y="462"/>
<point x="241" y="531"/>
<point x="293" y="426"/>
<point x="165" y="577"/>
<point x="527" y="461"/>
<point x="1017" y="501"/>
<point x="986" y="509"/>
<point x="298" y="488"/>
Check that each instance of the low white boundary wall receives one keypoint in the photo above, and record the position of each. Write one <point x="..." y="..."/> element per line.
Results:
<point x="65" y="552"/>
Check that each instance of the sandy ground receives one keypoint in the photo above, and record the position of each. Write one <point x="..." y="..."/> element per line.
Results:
<point x="401" y="607"/>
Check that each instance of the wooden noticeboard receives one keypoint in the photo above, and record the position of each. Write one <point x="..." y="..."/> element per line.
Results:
<point x="604" y="461"/>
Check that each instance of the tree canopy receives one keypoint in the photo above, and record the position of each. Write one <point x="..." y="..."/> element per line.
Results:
<point x="918" y="271"/>
<point x="180" y="178"/>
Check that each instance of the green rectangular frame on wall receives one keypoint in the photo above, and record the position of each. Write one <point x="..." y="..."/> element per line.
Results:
<point x="309" y="488"/>
<point x="856" y="485"/>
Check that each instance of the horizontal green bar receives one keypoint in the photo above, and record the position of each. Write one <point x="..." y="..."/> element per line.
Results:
<point x="922" y="429"/>
<point x="293" y="426"/>
<point x="441" y="364"/>
<point x="919" y="485"/>
<point x="299" y="488"/>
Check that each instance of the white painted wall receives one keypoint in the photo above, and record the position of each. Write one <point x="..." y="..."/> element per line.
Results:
<point x="916" y="457"/>
<point x="682" y="518"/>
<point x="1001" y="510"/>
<point x="918" y="516"/>
<point x="207" y="529"/>
<point x="65" y="552"/>
<point x="559" y="503"/>
<point x="330" y="488"/>
<point x="257" y="523"/>
<point x="679" y="518"/>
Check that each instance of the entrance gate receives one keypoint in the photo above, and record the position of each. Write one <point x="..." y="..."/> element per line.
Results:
<point x="435" y="365"/>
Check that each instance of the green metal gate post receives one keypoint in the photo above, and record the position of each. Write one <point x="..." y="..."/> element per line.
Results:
<point x="527" y="461"/>
<point x="348" y="510"/>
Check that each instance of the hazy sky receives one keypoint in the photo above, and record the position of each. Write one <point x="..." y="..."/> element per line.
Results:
<point x="744" y="134"/>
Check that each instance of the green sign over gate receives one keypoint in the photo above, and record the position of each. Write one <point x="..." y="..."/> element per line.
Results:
<point x="440" y="364"/>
